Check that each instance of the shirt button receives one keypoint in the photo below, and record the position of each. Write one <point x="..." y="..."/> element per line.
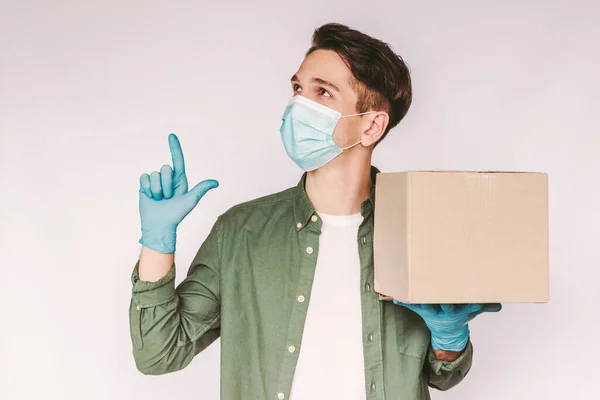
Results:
<point x="368" y="287"/>
<point x="314" y="218"/>
<point x="373" y="386"/>
<point x="280" y="396"/>
<point x="299" y="225"/>
<point x="364" y="240"/>
<point x="309" y="250"/>
<point x="370" y="337"/>
<point x="291" y="349"/>
<point x="138" y="308"/>
<point x="300" y="299"/>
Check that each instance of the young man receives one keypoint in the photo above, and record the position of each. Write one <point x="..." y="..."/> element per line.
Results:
<point x="286" y="281"/>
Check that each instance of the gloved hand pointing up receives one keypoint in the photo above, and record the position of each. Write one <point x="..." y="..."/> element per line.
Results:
<point x="165" y="201"/>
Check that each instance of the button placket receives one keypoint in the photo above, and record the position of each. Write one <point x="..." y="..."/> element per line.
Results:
<point x="307" y="235"/>
<point x="371" y="322"/>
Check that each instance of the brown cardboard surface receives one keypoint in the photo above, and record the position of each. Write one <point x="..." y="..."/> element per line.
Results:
<point x="461" y="236"/>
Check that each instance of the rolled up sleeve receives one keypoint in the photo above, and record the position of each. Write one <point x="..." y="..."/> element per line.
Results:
<point x="444" y="375"/>
<point x="170" y="325"/>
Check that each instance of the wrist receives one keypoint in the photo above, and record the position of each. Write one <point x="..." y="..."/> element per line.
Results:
<point x="160" y="240"/>
<point x="448" y="356"/>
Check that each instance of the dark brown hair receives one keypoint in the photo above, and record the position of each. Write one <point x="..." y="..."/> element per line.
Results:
<point x="381" y="78"/>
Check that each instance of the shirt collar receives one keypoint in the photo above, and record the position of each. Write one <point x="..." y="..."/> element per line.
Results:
<point x="303" y="208"/>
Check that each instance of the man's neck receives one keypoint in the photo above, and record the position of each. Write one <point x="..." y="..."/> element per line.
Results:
<point x="340" y="187"/>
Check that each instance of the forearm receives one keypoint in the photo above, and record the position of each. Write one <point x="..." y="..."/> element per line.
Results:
<point x="169" y="325"/>
<point x="154" y="265"/>
<point x="166" y="334"/>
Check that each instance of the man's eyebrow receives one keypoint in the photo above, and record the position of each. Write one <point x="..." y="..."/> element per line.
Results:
<point x="318" y="81"/>
<point x="323" y="82"/>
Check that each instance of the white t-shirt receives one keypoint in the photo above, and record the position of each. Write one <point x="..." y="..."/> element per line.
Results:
<point x="330" y="362"/>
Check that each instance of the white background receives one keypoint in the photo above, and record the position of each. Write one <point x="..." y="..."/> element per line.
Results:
<point x="89" y="91"/>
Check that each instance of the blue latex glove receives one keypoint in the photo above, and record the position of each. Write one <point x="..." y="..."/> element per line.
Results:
<point x="165" y="201"/>
<point x="449" y="323"/>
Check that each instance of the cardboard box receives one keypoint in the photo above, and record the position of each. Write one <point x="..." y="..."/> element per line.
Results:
<point x="450" y="237"/>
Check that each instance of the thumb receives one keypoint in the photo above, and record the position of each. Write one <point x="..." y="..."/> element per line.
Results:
<point x="201" y="188"/>
<point x="492" y="307"/>
<point x="476" y="309"/>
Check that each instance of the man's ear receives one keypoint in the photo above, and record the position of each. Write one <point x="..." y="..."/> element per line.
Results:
<point x="376" y="129"/>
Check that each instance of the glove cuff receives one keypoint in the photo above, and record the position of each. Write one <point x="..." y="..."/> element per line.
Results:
<point x="162" y="241"/>
<point x="451" y="342"/>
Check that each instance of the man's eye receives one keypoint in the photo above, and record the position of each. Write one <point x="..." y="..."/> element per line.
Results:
<point x="324" y="93"/>
<point x="296" y="87"/>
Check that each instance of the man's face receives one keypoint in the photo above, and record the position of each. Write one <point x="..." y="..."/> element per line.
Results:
<point x="324" y="77"/>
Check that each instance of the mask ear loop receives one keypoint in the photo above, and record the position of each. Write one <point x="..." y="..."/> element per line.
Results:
<point x="352" y="145"/>
<point x="354" y="115"/>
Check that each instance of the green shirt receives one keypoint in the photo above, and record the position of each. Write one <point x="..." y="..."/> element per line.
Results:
<point x="250" y="285"/>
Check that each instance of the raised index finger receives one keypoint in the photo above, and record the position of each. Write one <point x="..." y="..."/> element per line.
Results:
<point x="176" y="154"/>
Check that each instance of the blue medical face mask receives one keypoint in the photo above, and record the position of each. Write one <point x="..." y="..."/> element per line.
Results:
<point x="307" y="132"/>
